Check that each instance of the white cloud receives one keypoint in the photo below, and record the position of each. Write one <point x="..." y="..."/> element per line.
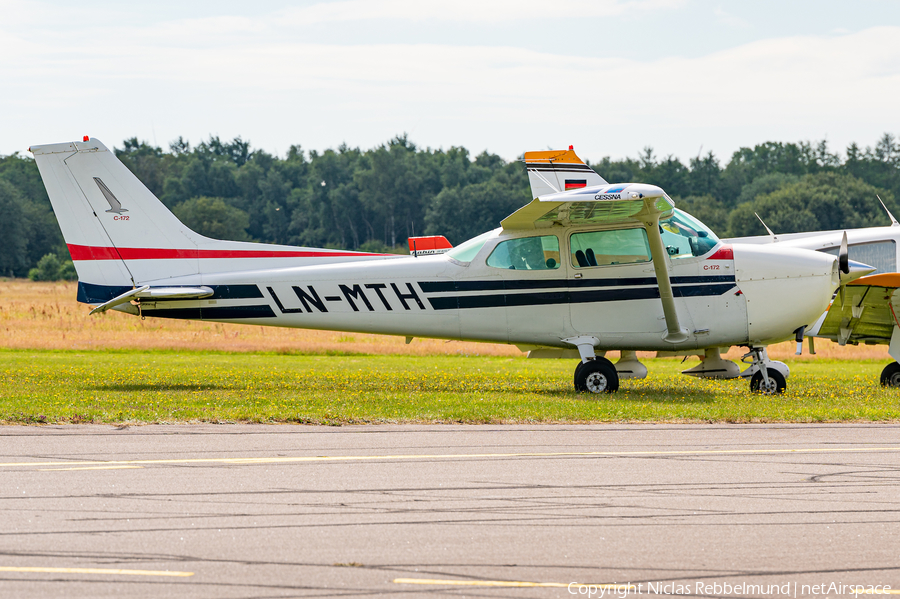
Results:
<point x="802" y="77"/>
<point x="729" y="19"/>
<point x="470" y="10"/>
<point x="242" y="76"/>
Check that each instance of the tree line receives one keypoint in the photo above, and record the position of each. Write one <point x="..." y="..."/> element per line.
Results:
<point x="373" y="200"/>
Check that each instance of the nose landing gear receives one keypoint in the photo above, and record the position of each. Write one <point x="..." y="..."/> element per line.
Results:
<point x="765" y="380"/>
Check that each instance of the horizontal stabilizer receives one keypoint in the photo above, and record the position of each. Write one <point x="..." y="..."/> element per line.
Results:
<point x="558" y="170"/>
<point x="156" y="293"/>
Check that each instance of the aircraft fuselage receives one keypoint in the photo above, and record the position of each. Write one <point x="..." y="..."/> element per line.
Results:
<point x="733" y="295"/>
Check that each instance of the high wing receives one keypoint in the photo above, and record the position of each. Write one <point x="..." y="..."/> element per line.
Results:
<point x="865" y="312"/>
<point x="607" y="204"/>
<point x="620" y="203"/>
<point x="554" y="171"/>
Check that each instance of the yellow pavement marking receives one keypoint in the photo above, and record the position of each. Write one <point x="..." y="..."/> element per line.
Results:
<point x="90" y="468"/>
<point x="114" y="572"/>
<point x="863" y="591"/>
<point x="453" y="456"/>
<point x="510" y="583"/>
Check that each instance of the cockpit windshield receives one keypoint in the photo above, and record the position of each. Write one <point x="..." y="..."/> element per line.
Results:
<point x="685" y="236"/>
<point x="467" y="250"/>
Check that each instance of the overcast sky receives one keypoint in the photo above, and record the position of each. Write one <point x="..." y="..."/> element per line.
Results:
<point x="609" y="76"/>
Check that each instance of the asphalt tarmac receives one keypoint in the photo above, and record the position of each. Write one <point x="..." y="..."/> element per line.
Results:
<point x="475" y="511"/>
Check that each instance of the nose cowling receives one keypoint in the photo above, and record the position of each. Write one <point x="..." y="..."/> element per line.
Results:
<point x="785" y="288"/>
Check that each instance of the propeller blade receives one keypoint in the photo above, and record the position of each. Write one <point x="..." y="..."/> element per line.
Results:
<point x="844" y="256"/>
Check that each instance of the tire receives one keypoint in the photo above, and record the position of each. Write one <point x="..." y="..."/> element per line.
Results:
<point x="890" y="376"/>
<point x="776" y="383"/>
<point x="597" y="376"/>
<point x="577" y="370"/>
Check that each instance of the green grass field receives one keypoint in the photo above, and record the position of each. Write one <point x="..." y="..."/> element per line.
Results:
<point x="144" y="387"/>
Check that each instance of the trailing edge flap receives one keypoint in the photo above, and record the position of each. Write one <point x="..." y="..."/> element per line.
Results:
<point x="155" y="293"/>
<point x="599" y="204"/>
<point x="558" y="170"/>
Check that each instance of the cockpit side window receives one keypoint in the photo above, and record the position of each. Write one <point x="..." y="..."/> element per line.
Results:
<point x="605" y="248"/>
<point x="526" y="253"/>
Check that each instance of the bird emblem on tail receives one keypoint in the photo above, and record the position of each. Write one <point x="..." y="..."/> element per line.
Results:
<point x="114" y="204"/>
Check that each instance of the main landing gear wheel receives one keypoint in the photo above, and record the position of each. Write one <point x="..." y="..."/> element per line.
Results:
<point x="890" y="376"/>
<point x="776" y="383"/>
<point x="596" y="376"/>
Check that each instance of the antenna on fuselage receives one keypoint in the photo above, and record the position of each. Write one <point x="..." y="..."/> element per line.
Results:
<point x="771" y="234"/>
<point x="894" y="222"/>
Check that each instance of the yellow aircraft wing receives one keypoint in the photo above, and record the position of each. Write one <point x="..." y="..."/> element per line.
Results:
<point x="865" y="311"/>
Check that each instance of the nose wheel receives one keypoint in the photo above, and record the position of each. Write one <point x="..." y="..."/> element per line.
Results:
<point x="774" y="383"/>
<point x="765" y="380"/>
<point x="596" y="376"/>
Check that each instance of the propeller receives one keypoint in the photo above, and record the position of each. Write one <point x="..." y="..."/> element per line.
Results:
<point x="843" y="266"/>
<point x="849" y="269"/>
<point x="844" y="256"/>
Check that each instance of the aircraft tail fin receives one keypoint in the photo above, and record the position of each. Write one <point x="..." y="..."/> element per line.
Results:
<point x="120" y="236"/>
<point x="554" y="171"/>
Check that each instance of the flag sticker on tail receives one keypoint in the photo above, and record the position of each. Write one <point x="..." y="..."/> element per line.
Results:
<point x="558" y="170"/>
<point x="115" y="205"/>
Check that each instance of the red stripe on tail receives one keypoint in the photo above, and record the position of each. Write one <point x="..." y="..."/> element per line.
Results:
<point x="87" y="252"/>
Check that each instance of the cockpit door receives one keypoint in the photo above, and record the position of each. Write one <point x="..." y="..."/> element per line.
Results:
<point x="613" y="290"/>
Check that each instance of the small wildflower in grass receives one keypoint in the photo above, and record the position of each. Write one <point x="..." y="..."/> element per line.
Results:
<point x="121" y="386"/>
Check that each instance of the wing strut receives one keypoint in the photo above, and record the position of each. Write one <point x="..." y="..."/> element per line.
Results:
<point x="675" y="333"/>
<point x="624" y="202"/>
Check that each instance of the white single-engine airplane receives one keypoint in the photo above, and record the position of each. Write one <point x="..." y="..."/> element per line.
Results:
<point x="585" y="265"/>
<point x="868" y="310"/>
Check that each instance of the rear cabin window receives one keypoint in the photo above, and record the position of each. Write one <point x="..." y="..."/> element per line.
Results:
<point x="605" y="248"/>
<point x="527" y="253"/>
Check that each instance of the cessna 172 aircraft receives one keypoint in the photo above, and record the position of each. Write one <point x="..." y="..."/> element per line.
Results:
<point x="585" y="265"/>
<point x="867" y="310"/>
